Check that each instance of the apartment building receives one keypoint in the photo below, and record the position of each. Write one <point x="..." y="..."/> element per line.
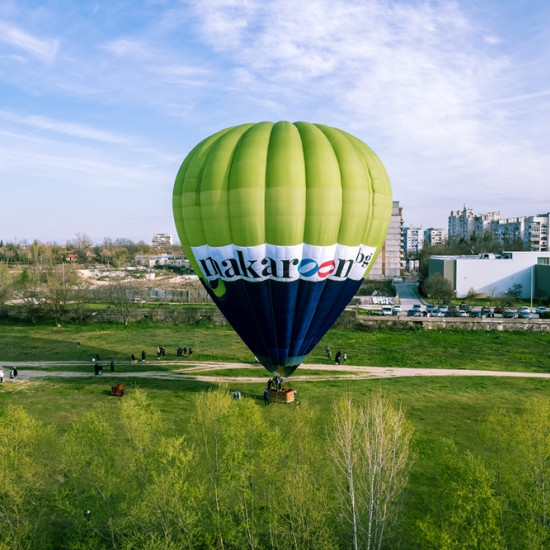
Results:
<point x="159" y="240"/>
<point x="390" y="261"/>
<point x="413" y="238"/>
<point x="435" y="236"/>
<point x="462" y="223"/>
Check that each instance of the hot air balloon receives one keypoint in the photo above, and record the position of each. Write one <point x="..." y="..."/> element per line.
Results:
<point x="281" y="222"/>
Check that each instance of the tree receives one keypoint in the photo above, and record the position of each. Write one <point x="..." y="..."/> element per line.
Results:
<point x="6" y="284"/>
<point x="520" y="453"/>
<point x="120" y="295"/>
<point x="438" y="288"/>
<point x="23" y="504"/>
<point x="515" y="291"/>
<point x="371" y="449"/>
<point x="57" y="291"/>
<point x="465" y="511"/>
<point x="82" y="246"/>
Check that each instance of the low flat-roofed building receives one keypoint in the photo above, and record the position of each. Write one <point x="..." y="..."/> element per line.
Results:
<point x="492" y="274"/>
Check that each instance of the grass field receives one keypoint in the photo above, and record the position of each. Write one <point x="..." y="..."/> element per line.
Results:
<point x="508" y="351"/>
<point x="438" y="408"/>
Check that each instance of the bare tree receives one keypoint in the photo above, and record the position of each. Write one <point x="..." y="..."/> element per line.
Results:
<point x="371" y="448"/>
<point x="82" y="246"/>
<point x="6" y="284"/>
<point x="120" y="295"/>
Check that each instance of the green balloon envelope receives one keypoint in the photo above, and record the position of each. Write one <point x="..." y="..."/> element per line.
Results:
<point x="281" y="222"/>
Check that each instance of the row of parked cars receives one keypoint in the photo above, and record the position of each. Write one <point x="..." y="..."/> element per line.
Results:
<point x="465" y="310"/>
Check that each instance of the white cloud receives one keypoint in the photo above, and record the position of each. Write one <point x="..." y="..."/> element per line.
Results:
<point x="43" y="49"/>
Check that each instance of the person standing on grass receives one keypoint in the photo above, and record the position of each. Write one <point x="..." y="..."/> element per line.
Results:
<point x="190" y="353"/>
<point x="1" y="375"/>
<point x="266" y="397"/>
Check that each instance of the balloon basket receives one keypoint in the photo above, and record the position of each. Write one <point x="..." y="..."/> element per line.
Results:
<point x="282" y="396"/>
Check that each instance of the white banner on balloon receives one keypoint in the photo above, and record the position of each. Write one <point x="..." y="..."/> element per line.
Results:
<point x="283" y="263"/>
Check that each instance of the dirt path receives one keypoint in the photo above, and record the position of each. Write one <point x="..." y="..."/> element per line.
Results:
<point x="196" y="370"/>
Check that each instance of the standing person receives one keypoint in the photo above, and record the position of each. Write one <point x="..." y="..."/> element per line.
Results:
<point x="133" y="358"/>
<point x="15" y="372"/>
<point x="1" y="375"/>
<point x="338" y="357"/>
<point x="112" y="366"/>
<point x="190" y="352"/>
<point x="266" y="397"/>
<point x="143" y="355"/>
<point x="345" y="357"/>
<point x="184" y="351"/>
<point x="329" y="353"/>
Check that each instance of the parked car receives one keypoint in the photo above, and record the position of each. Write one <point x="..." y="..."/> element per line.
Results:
<point x="386" y="311"/>
<point x="461" y="313"/>
<point x="510" y="314"/>
<point x="522" y="309"/>
<point x="499" y="310"/>
<point x="476" y="313"/>
<point x="486" y="311"/>
<point x="396" y="309"/>
<point x="541" y="309"/>
<point x="525" y="315"/>
<point x="442" y="310"/>
<point x="417" y="307"/>
<point x="431" y="309"/>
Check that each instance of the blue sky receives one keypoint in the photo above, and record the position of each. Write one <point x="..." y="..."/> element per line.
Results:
<point x="101" y="101"/>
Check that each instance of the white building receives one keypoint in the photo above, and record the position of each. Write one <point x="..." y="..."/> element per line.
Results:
<point x="435" y="236"/>
<point x="536" y="232"/>
<point x="413" y="240"/>
<point x="492" y="275"/>
<point x="389" y="263"/>
<point x="159" y="240"/>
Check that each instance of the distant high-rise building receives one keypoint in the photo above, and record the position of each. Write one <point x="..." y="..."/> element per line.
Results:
<point x="390" y="261"/>
<point x="435" y="236"/>
<point x="532" y="231"/>
<point x="413" y="238"/>
<point x="463" y="223"/>
<point x="536" y="233"/>
<point x="160" y="240"/>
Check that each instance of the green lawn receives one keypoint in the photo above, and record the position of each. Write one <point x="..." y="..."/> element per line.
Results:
<point x="508" y="351"/>
<point x="438" y="408"/>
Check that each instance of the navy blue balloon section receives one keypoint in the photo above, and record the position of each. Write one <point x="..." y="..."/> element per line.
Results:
<point x="282" y="322"/>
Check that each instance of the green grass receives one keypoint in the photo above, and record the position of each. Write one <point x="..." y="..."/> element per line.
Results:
<point x="437" y="407"/>
<point x="507" y="351"/>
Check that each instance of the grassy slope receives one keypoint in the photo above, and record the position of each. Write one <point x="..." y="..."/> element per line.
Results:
<point x="448" y="407"/>
<point x="511" y="351"/>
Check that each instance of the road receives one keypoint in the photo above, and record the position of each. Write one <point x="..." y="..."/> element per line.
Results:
<point x="408" y="295"/>
<point x="198" y="371"/>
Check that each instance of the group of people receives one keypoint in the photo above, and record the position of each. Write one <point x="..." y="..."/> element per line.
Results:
<point x="98" y="367"/>
<point x="275" y="383"/>
<point x="339" y="358"/>
<point x="13" y="374"/>
<point x="161" y="352"/>
<point x="182" y="352"/>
